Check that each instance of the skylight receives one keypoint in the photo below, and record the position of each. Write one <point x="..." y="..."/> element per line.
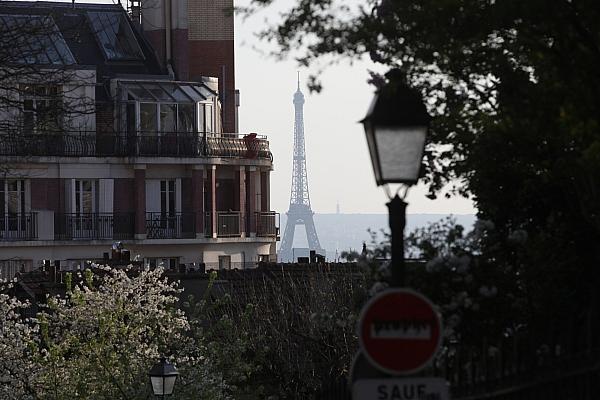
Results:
<point x="33" y="39"/>
<point x="115" y="37"/>
<point x="168" y="91"/>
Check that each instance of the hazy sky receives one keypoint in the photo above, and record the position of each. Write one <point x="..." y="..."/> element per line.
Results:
<point x="339" y="167"/>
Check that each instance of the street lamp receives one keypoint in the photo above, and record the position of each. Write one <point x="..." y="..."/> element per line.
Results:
<point x="163" y="376"/>
<point x="396" y="128"/>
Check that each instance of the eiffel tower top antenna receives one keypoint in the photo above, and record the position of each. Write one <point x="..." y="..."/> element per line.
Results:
<point x="300" y="212"/>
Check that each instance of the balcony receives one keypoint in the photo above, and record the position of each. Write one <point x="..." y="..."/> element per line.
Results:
<point x="20" y="226"/>
<point x="88" y="144"/>
<point x="170" y="225"/>
<point x="232" y="224"/>
<point x="267" y="223"/>
<point x="47" y="225"/>
<point x="93" y="226"/>
<point x="229" y="223"/>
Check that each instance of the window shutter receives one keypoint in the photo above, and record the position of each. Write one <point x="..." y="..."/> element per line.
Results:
<point x="105" y="195"/>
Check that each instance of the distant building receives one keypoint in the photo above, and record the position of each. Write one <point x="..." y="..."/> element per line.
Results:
<point x="131" y="136"/>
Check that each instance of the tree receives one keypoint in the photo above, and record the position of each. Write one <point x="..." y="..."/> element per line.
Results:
<point x="282" y="335"/>
<point x="515" y="93"/>
<point x="101" y="340"/>
<point x="18" y="343"/>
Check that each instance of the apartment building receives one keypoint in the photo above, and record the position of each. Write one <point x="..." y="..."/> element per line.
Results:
<point x="121" y="125"/>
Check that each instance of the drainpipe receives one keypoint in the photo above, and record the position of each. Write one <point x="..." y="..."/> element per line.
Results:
<point x="168" y="23"/>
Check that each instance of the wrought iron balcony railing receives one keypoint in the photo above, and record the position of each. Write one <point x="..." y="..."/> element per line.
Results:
<point x="267" y="223"/>
<point x="88" y="144"/>
<point x="170" y="225"/>
<point x="93" y="226"/>
<point x="21" y="226"/>
<point x="229" y="223"/>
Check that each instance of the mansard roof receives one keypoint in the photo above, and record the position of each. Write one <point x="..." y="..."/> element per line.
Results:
<point x="75" y="34"/>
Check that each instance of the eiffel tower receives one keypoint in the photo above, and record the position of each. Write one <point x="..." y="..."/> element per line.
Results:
<point x="299" y="212"/>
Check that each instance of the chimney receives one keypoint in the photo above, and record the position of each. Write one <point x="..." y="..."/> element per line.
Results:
<point x="165" y="25"/>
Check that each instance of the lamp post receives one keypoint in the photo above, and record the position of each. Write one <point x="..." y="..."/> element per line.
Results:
<point x="396" y="128"/>
<point x="162" y="377"/>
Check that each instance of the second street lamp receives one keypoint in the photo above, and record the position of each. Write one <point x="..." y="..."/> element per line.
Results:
<point x="163" y="376"/>
<point x="396" y="127"/>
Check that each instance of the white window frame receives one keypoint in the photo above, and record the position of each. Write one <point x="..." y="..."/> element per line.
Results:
<point x="37" y="101"/>
<point x="78" y="205"/>
<point x="159" y="131"/>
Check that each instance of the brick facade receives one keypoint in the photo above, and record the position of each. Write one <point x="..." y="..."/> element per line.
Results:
<point x="46" y="194"/>
<point x="157" y="40"/>
<point x="180" y="53"/>
<point x="124" y="195"/>
<point x="211" y="19"/>
<point x="207" y="58"/>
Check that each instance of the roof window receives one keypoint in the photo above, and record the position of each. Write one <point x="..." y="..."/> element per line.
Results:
<point x="114" y="35"/>
<point x="33" y="39"/>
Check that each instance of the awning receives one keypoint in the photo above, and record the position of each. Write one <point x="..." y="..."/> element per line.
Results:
<point x="165" y="91"/>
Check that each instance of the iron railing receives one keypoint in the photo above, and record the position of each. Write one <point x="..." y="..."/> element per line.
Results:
<point x="229" y="223"/>
<point x="88" y="144"/>
<point x="231" y="265"/>
<point x="208" y="230"/>
<point x="21" y="226"/>
<point x="93" y="226"/>
<point x="267" y="223"/>
<point x="177" y="225"/>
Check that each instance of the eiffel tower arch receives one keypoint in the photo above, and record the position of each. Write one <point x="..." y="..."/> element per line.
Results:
<point x="299" y="212"/>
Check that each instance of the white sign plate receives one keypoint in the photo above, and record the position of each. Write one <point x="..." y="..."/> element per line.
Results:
<point x="401" y="389"/>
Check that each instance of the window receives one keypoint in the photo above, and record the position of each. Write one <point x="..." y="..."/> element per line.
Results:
<point x="168" y="118"/>
<point x="12" y="196"/>
<point x="115" y="37"/>
<point x="83" y="223"/>
<point x="167" y="204"/>
<point x="42" y="108"/>
<point x="35" y="39"/>
<point x="12" y="206"/>
<point x="74" y="265"/>
<point x="185" y="118"/>
<point x="165" y="118"/>
<point x="224" y="262"/>
<point x="148" y="121"/>
<point x="85" y="197"/>
<point x="205" y="118"/>
<point x="167" y="106"/>
<point x="168" y="263"/>
<point x="167" y="197"/>
<point x="9" y="268"/>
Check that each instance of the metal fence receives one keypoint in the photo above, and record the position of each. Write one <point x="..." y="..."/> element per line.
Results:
<point x="21" y="226"/>
<point x="93" y="226"/>
<point x="179" y="225"/>
<point x="560" y="361"/>
<point x="267" y="223"/>
<point x="229" y="223"/>
<point x="159" y="144"/>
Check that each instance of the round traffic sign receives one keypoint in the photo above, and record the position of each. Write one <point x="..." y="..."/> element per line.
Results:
<point x="399" y="331"/>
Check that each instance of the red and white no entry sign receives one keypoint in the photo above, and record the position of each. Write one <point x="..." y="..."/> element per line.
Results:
<point x="399" y="331"/>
